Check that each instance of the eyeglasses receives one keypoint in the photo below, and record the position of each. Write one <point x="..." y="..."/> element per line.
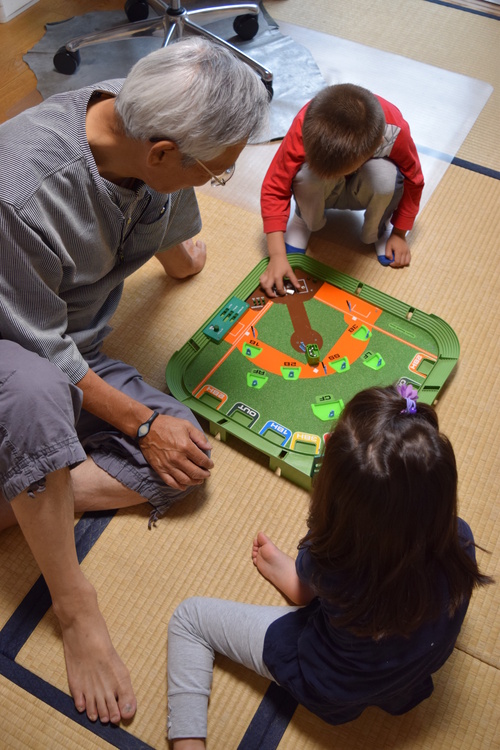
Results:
<point x="222" y="178"/>
<point x="216" y="180"/>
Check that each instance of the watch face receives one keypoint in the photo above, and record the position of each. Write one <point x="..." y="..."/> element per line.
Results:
<point x="144" y="428"/>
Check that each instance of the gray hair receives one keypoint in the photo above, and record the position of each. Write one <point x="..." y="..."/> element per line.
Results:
<point x="195" y="93"/>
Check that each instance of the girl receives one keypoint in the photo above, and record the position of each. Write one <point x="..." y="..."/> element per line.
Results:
<point x="381" y="582"/>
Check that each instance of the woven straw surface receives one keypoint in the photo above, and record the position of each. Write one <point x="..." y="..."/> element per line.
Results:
<point x="203" y="546"/>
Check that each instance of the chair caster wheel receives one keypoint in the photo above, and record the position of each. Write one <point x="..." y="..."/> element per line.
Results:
<point x="269" y="87"/>
<point x="246" y="26"/>
<point x="136" y="10"/>
<point x="66" y="62"/>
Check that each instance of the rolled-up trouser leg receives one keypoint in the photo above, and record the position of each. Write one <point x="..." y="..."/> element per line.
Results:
<point x="119" y="455"/>
<point x="38" y="410"/>
<point x="198" y="628"/>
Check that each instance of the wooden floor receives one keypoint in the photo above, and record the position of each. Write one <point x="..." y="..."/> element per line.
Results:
<point x="18" y="83"/>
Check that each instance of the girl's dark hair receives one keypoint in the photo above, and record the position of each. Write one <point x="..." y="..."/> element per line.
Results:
<point x="383" y="515"/>
<point x="343" y="125"/>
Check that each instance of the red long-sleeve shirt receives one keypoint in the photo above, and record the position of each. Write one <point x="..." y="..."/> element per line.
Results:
<point x="397" y="145"/>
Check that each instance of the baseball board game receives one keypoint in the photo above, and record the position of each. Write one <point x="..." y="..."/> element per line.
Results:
<point x="277" y="372"/>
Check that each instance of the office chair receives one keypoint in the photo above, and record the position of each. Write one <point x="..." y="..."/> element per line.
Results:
<point x="173" y="20"/>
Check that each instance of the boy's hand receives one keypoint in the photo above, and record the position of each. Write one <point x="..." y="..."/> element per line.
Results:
<point x="397" y="244"/>
<point x="271" y="280"/>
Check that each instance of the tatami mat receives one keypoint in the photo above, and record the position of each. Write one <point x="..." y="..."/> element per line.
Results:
<point x="203" y="545"/>
<point x="449" y="38"/>
<point x="29" y="723"/>
<point x="463" y="293"/>
<point x="458" y="715"/>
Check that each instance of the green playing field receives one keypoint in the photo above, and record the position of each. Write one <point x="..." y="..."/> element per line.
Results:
<point x="248" y="372"/>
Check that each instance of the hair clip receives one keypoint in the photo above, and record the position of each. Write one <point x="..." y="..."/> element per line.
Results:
<point x="410" y="394"/>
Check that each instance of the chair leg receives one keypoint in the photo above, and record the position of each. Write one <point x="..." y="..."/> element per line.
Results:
<point x="265" y="74"/>
<point x="171" y="22"/>
<point x="137" y="10"/>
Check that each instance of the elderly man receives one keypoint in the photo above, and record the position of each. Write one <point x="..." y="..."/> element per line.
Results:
<point x="93" y="183"/>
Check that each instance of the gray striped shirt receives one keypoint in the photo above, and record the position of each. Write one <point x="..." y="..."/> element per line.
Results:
<point x="68" y="237"/>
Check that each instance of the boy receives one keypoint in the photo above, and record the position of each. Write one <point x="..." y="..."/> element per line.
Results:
<point x="346" y="149"/>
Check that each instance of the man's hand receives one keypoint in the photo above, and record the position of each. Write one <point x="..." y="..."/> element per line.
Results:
<point x="174" y="448"/>
<point x="184" y="260"/>
<point x="397" y="244"/>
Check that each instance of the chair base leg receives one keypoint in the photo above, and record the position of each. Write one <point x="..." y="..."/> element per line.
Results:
<point x="171" y="25"/>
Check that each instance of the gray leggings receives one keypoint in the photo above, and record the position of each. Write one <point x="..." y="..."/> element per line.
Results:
<point x="198" y="628"/>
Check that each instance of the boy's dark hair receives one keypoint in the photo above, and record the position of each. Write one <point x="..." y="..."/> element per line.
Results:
<point x="343" y="125"/>
<point x="383" y="516"/>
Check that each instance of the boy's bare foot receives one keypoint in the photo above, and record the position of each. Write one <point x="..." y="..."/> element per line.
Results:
<point x="98" y="680"/>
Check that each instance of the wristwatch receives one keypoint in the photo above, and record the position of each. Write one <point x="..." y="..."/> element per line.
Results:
<point x="146" y="426"/>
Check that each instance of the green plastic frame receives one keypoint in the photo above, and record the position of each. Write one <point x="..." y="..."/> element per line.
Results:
<point x="301" y="468"/>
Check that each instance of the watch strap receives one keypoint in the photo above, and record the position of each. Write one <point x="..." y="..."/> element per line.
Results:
<point x="144" y="428"/>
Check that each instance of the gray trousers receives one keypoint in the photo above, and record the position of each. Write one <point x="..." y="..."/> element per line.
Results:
<point x="198" y="628"/>
<point x="376" y="188"/>
<point x="43" y="427"/>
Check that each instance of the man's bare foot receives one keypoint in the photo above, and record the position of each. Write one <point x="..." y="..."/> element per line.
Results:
<point x="98" y="680"/>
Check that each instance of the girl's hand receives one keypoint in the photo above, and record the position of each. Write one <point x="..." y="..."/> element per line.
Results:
<point x="271" y="280"/>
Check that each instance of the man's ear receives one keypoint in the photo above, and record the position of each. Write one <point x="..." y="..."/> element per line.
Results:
<point x="159" y="151"/>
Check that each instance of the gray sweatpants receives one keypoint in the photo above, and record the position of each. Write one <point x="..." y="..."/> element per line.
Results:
<point x="376" y="188"/>
<point x="43" y="427"/>
<point x="198" y="628"/>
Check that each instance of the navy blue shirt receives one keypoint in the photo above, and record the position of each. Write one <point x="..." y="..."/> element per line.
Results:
<point x="336" y="674"/>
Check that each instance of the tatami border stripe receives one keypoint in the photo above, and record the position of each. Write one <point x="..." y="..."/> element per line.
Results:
<point x="270" y="720"/>
<point x="37" y="601"/>
<point x="23" y="622"/>
<point x="456" y="162"/>
<point x="264" y="732"/>
<point x="25" y="619"/>
<point x="63" y="703"/>
<point x="467" y="10"/>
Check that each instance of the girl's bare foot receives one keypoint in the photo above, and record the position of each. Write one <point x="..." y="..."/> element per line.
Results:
<point x="279" y="569"/>
<point x="266" y="556"/>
